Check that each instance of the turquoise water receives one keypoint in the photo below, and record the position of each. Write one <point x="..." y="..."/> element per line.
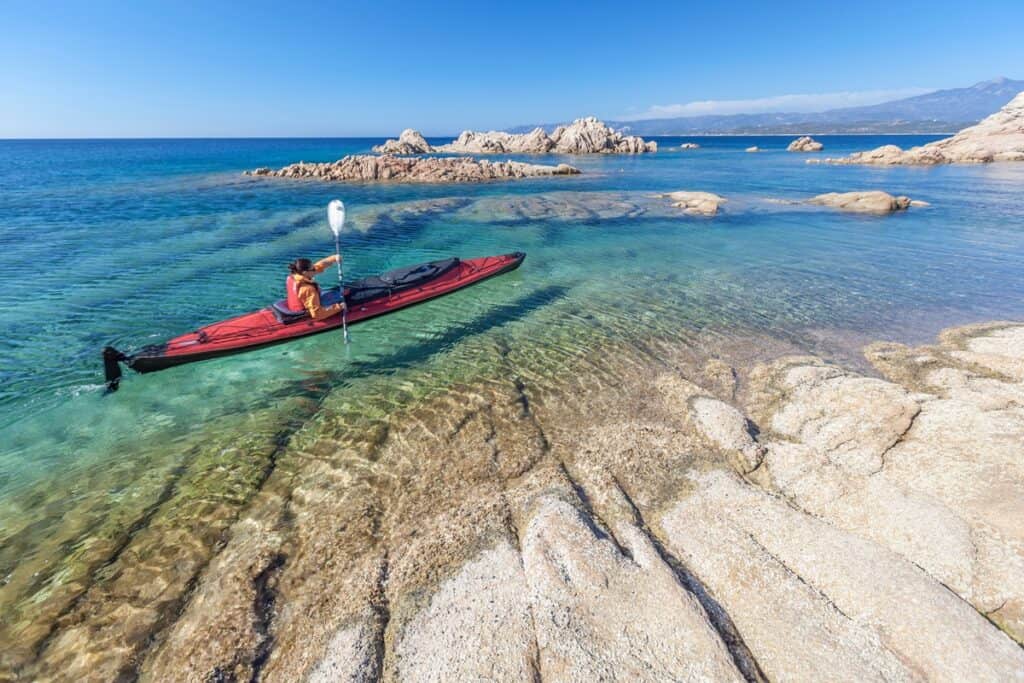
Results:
<point x="131" y="242"/>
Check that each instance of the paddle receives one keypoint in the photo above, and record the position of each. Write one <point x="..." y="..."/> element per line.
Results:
<point x="336" y="219"/>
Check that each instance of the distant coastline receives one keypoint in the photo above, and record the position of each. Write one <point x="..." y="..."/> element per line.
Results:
<point x="941" y="112"/>
<point x="376" y="138"/>
<point x="790" y="135"/>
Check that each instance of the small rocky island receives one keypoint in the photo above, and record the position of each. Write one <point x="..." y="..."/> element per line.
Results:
<point x="1000" y="137"/>
<point x="805" y="144"/>
<point x="395" y="169"/>
<point x="409" y="142"/>
<point x="583" y="136"/>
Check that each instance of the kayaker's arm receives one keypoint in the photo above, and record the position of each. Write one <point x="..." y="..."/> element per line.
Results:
<point x="325" y="263"/>
<point x="310" y="299"/>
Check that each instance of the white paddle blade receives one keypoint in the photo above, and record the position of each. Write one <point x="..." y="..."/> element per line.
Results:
<point x="336" y="215"/>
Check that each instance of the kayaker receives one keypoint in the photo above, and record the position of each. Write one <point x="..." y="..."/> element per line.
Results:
<point x="304" y="293"/>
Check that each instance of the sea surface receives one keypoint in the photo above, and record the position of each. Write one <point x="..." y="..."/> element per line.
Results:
<point x="129" y="242"/>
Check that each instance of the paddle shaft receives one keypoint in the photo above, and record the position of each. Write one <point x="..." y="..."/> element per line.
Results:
<point x="341" y="288"/>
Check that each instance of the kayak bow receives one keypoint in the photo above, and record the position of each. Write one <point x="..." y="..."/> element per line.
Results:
<point x="276" y="324"/>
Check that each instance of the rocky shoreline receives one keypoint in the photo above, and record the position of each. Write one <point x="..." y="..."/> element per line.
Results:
<point x="687" y="511"/>
<point x="1000" y="137"/>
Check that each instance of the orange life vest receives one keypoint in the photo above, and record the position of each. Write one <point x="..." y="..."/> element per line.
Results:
<point x="291" y="288"/>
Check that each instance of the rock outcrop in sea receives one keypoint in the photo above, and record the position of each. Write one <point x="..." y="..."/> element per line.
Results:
<point x="696" y="203"/>
<point x="871" y="201"/>
<point x="689" y="145"/>
<point x="397" y="169"/>
<point x="1000" y="137"/>
<point x="754" y="148"/>
<point x="409" y="142"/>
<point x="582" y="136"/>
<point x="805" y="144"/>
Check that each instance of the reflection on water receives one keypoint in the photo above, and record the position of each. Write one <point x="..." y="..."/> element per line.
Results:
<point x="129" y="243"/>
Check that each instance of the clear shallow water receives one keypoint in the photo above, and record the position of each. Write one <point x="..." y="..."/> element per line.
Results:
<point x="131" y="242"/>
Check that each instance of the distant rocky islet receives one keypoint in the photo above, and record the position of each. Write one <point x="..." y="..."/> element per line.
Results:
<point x="583" y="136"/>
<point x="402" y="160"/>
<point x="805" y="144"/>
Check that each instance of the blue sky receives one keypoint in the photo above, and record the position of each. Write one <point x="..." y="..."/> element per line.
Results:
<point x="99" y="69"/>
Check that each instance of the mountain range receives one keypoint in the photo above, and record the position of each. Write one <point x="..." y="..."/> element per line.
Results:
<point x="941" y="111"/>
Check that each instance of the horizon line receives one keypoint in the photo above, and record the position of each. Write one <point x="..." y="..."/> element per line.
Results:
<point x="377" y="137"/>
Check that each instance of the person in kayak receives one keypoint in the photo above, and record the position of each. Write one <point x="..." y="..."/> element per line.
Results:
<point x="304" y="293"/>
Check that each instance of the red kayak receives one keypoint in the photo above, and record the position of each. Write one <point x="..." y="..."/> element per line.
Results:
<point x="276" y="324"/>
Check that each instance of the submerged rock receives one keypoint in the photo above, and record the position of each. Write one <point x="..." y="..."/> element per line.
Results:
<point x="388" y="168"/>
<point x="805" y="144"/>
<point x="409" y="142"/>
<point x="696" y="203"/>
<point x="872" y="201"/>
<point x="557" y="206"/>
<point x="582" y="136"/>
<point x="1000" y="137"/>
<point x="367" y="218"/>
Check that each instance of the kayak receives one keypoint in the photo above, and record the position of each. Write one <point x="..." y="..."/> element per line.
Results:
<point x="276" y="324"/>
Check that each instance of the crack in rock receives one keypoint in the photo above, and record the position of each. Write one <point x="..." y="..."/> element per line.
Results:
<point x="789" y="570"/>
<point x="897" y="442"/>
<point x="265" y="585"/>
<point x="718" y="617"/>
<point x="382" y="613"/>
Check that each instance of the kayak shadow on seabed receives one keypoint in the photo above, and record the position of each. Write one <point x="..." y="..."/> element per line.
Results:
<point x="318" y="382"/>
